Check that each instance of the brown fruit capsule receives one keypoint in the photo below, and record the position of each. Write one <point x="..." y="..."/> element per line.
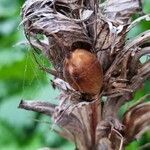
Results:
<point x="83" y="72"/>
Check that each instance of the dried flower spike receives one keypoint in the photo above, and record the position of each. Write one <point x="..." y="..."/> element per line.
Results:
<point x="83" y="72"/>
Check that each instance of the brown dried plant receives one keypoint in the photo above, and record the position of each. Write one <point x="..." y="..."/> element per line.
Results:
<point x="58" y="27"/>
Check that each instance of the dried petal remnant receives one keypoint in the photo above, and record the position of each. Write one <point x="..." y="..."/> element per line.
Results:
<point x="83" y="72"/>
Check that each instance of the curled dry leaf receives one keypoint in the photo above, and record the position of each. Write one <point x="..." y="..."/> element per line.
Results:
<point x="136" y="121"/>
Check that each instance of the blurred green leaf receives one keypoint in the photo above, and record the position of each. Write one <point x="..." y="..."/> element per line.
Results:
<point x="12" y="115"/>
<point x="10" y="56"/>
<point x="146" y="4"/>
<point x="132" y="146"/>
<point x="8" y="26"/>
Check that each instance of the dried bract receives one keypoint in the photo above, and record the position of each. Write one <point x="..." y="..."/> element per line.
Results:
<point x="86" y="43"/>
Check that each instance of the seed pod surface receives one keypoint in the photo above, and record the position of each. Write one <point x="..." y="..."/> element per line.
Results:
<point x="83" y="72"/>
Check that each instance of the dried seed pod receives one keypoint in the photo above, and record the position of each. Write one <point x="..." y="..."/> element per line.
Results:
<point x="83" y="71"/>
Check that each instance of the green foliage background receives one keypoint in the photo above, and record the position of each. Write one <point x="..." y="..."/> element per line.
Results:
<point x="20" y="78"/>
